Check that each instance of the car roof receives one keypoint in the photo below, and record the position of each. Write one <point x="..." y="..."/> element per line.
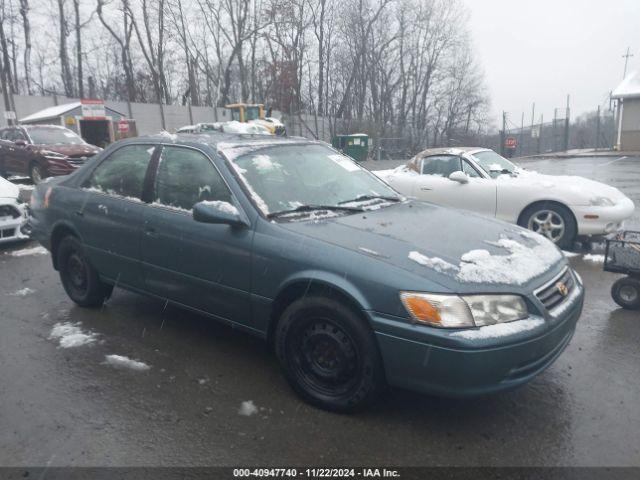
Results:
<point x="216" y="139"/>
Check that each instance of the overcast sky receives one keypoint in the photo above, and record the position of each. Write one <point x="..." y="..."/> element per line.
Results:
<point x="542" y="50"/>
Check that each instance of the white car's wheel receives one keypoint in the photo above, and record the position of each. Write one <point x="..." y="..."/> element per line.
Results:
<point x="550" y="220"/>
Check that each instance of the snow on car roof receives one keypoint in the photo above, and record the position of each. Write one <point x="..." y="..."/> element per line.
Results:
<point x="628" y="88"/>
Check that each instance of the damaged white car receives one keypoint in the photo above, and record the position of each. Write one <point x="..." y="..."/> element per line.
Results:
<point x="13" y="213"/>
<point x="562" y="208"/>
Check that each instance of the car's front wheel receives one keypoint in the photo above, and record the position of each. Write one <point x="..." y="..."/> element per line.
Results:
<point x="36" y="173"/>
<point x="329" y="354"/>
<point x="79" y="279"/>
<point x="551" y="220"/>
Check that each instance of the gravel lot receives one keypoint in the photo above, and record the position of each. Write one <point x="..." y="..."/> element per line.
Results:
<point x="71" y="406"/>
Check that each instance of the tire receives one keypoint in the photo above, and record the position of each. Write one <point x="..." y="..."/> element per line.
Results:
<point x="329" y="354"/>
<point x="626" y="293"/>
<point x="79" y="279"/>
<point x="542" y="217"/>
<point x="36" y="173"/>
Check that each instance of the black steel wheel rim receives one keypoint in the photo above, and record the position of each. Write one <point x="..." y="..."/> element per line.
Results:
<point x="77" y="274"/>
<point x="324" y="357"/>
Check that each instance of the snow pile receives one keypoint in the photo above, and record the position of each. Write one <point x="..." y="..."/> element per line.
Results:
<point x="70" y="335"/>
<point x="500" y="330"/>
<point x="30" y="251"/>
<point x="225" y="207"/>
<point x="438" y="264"/>
<point x="521" y="264"/>
<point x="518" y="267"/>
<point x="23" y="292"/>
<point x="590" y="257"/>
<point x="264" y="163"/>
<point x="120" y="361"/>
<point x="247" y="408"/>
<point x="570" y="254"/>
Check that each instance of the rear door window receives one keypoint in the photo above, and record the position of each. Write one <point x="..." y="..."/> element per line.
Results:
<point x="186" y="177"/>
<point x="123" y="172"/>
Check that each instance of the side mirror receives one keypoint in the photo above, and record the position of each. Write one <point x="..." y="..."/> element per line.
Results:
<point x="459" y="177"/>
<point x="220" y="213"/>
<point x="20" y="143"/>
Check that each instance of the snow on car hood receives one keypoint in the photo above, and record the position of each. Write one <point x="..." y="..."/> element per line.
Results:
<point x="458" y="249"/>
<point x="8" y="189"/>
<point x="574" y="190"/>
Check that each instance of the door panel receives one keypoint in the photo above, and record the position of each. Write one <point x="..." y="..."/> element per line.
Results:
<point x="111" y="217"/>
<point x="433" y="185"/>
<point x="201" y="265"/>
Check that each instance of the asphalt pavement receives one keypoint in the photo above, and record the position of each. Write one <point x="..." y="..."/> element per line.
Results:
<point x="70" y="406"/>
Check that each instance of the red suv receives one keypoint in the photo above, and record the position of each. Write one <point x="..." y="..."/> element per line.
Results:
<point x="42" y="151"/>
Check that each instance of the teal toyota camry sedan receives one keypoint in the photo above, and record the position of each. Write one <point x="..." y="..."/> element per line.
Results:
<point x="354" y="285"/>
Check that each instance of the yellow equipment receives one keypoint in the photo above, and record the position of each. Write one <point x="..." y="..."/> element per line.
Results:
<point x="254" y="112"/>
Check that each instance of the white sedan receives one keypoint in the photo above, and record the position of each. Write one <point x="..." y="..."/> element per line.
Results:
<point x="558" y="207"/>
<point x="13" y="213"/>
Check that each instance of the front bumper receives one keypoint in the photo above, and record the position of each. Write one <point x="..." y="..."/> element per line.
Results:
<point x="13" y="229"/>
<point x="609" y="219"/>
<point x="454" y="367"/>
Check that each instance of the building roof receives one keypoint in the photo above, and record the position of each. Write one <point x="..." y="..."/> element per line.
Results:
<point x="629" y="88"/>
<point x="51" y="112"/>
<point x="56" y="111"/>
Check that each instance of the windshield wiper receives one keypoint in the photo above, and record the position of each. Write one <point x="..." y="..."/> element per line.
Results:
<point x="361" y="198"/>
<point x="311" y="208"/>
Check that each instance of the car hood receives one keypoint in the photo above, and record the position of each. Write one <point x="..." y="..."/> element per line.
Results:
<point x="575" y="190"/>
<point x="71" y="150"/>
<point x="459" y="250"/>
<point x="8" y="189"/>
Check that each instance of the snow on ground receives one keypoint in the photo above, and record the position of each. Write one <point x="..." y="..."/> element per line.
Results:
<point x="120" y="361"/>
<point x="70" y="335"/>
<point x="23" y="292"/>
<point x="30" y="251"/>
<point x="500" y="330"/>
<point x="595" y="258"/>
<point x="570" y="254"/>
<point x="247" y="408"/>
<point x="438" y="264"/>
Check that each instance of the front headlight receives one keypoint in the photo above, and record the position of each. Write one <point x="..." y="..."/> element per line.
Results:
<point x="467" y="311"/>
<point x="55" y="155"/>
<point x="601" y="202"/>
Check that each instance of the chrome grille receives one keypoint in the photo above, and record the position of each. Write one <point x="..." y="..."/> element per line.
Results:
<point x="551" y="295"/>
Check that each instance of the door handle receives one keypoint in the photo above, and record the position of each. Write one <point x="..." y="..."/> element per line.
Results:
<point x="426" y="189"/>
<point x="79" y="213"/>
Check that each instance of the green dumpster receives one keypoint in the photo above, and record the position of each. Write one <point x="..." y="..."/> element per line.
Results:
<point x="355" y="145"/>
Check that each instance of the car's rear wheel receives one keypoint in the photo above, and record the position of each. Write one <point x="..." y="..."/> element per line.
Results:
<point x="329" y="354"/>
<point x="36" y="173"/>
<point x="626" y="293"/>
<point x="551" y="220"/>
<point x="79" y="279"/>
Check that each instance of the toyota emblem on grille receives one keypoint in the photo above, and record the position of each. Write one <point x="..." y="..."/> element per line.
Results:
<point x="562" y="288"/>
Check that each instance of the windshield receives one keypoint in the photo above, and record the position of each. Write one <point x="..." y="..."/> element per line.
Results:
<point x="494" y="164"/>
<point x="293" y="178"/>
<point x="50" y="136"/>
